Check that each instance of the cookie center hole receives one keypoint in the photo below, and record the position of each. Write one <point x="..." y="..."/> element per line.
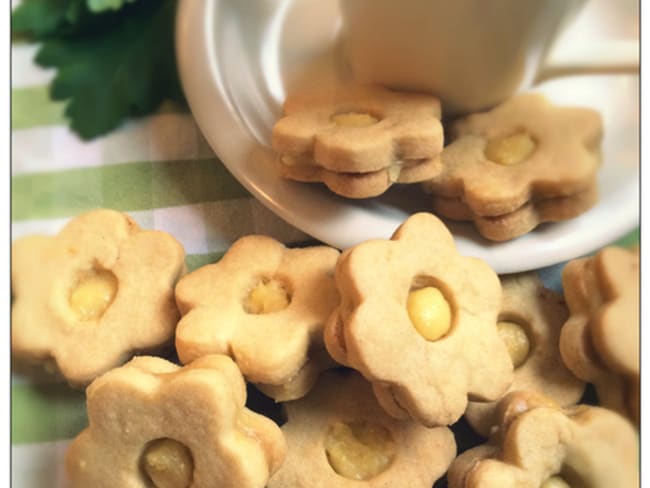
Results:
<point x="354" y="119"/>
<point x="516" y="340"/>
<point x="359" y="450"/>
<point x="168" y="463"/>
<point x="429" y="311"/>
<point x="509" y="150"/>
<point x="267" y="295"/>
<point x="555" y="482"/>
<point x="93" y="294"/>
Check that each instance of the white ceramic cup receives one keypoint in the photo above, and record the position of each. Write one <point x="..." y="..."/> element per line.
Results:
<point x="472" y="54"/>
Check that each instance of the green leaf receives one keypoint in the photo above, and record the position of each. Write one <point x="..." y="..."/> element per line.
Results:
<point x="55" y="19"/>
<point x="44" y="18"/>
<point x="127" y="70"/>
<point x="103" y="5"/>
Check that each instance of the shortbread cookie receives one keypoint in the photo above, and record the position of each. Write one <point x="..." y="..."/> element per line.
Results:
<point x="338" y="436"/>
<point x="359" y="131"/>
<point x="364" y="185"/>
<point x="153" y="423"/>
<point x="90" y="297"/>
<point x="539" y="445"/>
<point x="525" y="150"/>
<point x="600" y="340"/>
<point x="530" y="321"/>
<point x="522" y="220"/>
<point x="419" y="322"/>
<point x="265" y="306"/>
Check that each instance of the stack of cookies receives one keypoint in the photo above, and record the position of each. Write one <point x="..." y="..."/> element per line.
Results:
<point x="507" y="170"/>
<point x="521" y="164"/>
<point x="600" y="341"/>
<point x="359" y="140"/>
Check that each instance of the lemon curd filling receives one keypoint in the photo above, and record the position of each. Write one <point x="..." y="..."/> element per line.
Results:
<point x="354" y="119"/>
<point x="516" y="341"/>
<point x="168" y="464"/>
<point x="267" y="296"/>
<point x="359" y="450"/>
<point x="555" y="482"/>
<point x="394" y="171"/>
<point x="429" y="312"/>
<point x="509" y="150"/>
<point x="93" y="294"/>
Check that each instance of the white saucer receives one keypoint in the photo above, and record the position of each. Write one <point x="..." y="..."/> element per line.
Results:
<point x="237" y="61"/>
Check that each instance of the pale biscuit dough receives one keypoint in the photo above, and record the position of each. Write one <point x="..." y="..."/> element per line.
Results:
<point x="520" y="221"/>
<point x="600" y="340"/>
<point x="281" y="351"/>
<point x="564" y="162"/>
<point x="421" y="454"/>
<point x="559" y="159"/>
<point x="199" y="407"/>
<point x="364" y="185"/>
<point x="48" y="278"/>
<point x="541" y="313"/>
<point x="359" y="139"/>
<point x="584" y="446"/>
<point x="371" y="331"/>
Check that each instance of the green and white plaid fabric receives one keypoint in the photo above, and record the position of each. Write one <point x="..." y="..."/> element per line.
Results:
<point x="162" y="172"/>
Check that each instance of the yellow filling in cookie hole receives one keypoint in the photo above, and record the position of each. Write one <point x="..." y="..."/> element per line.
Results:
<point x="359" y="450"/>
<point x="516" y="341"/>
<point x="510" y="149"/>
<point x="168" y="464"/>
<point x="394" y="170"/>
<point x="354" y="119"/>
<point x="429" y="312"/>
<point x="267" y="296"/>
<point x="555" y="482"/>
<point x="93" y="294"/>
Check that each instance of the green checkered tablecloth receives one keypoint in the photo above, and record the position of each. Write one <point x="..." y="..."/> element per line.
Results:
<point x="158" y="169"/>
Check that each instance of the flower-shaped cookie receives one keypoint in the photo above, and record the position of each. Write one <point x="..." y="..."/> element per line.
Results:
<point x="523" y="152"/>
<point x="338" y="436"/>
<point x="152" y="423"/>
<point x="419" y="322"/>
<point x="544" y="151"/>
<point x="265" y="306"/>
<point x="600" y="340"/>
<point x="359" y="139"/>
<point x="539" y="445"/>
<point x="530" y="321"/>
<point x="95" y="293"/>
